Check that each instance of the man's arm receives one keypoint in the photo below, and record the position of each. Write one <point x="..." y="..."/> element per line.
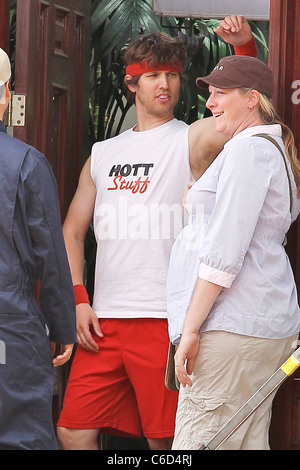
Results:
<point x="236" y="30"/>
<point x="75" y="227"/>
<point x="204" y="142"/>
<point x="77" y="221"/>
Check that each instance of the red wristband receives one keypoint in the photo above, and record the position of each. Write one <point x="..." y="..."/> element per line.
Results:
<point x="81" y="295"/>
<point x="248" y="49"/>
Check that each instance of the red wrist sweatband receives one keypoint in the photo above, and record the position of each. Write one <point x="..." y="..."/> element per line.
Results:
<point x="138" y="68"/>
<point x="81" y="295"/>
<point x="248" y="49"/>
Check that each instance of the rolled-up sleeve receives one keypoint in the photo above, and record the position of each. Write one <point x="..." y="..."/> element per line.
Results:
<point x="241" y="190"/>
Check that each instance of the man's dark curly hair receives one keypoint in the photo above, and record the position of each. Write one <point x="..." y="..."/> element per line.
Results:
<point x="153" y="48"/>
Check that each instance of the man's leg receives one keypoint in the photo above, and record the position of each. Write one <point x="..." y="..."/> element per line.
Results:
<point x="99" y="395"/>
<point x="78" y="439"/>
<point x="86" y="439"/>
<point x="145" y="351"/>
<point x="160" y="444"/>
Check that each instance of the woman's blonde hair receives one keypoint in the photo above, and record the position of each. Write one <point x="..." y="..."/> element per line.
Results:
<point x="269" y="116"/>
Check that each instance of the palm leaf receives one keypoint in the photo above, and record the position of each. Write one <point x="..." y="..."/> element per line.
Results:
<point x="117" y="22"/>
<point x="126" y="20"/>
<point x="102" y="11"/>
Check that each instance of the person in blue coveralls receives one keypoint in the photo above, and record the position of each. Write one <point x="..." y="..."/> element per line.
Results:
<point x="31" y="248"/>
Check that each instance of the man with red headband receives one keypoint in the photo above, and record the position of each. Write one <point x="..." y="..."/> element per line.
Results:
<point x="132" y="187"/>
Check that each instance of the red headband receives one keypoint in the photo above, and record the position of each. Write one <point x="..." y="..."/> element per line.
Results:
<point x="143" y="67"/>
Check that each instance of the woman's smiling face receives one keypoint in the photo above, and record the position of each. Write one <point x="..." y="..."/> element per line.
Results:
<point x="233" y="110"/>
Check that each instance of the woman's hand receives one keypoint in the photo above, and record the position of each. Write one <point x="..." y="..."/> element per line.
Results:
<point x="186" y="353"/>
<point x="203" y="298"/>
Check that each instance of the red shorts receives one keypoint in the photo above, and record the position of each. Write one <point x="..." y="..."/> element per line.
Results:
<point x="121" y="389"/>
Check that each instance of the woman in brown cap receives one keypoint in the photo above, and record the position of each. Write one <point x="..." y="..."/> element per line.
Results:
<point x="232" y="299"/>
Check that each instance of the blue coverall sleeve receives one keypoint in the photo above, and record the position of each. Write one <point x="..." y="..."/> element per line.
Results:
<point x="43" y="215"/>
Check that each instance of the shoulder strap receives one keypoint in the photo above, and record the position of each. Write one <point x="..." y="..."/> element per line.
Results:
<point x="268" y="137"/>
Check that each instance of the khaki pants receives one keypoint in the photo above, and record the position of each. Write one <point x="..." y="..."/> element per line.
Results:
<point x="229" y="368"/>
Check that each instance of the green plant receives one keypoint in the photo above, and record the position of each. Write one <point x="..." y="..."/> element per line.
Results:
<point x="114" y="24"/>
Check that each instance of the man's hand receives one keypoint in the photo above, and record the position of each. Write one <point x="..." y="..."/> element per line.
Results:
<point x="189" y="185"/>
<point x="234" y="30"/>
<point x="87" y="321"/>
<point x="63" y="353"/>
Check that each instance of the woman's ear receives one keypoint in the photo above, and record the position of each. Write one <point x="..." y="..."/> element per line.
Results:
<point x="253" y="99"/>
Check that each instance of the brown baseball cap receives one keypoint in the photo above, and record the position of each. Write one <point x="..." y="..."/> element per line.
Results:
<point x="238" y="71"/>
<point x="5" y="69"/>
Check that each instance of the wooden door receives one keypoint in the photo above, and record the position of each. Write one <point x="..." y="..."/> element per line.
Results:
<point x="52" y="70"/>
<point x="284" y="60"/>
<point x="4" y="24"/>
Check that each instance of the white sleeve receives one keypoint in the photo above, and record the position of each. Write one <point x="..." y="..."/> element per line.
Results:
<point x="241" y="190"/>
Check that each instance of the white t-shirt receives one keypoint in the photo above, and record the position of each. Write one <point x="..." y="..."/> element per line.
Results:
<point x="140" y="179"/>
